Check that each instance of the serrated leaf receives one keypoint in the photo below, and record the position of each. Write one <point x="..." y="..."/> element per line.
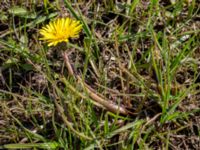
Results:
<point x="18" y="11"/>
<point x="32" y="15"/>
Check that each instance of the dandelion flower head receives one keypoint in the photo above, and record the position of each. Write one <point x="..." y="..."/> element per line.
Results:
<point x="60" y="30"/>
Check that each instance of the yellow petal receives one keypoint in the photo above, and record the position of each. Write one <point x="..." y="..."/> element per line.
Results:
<point x="60" y="30"/>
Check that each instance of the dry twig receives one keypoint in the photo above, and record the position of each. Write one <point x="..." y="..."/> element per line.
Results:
<point x="93" y="94"/>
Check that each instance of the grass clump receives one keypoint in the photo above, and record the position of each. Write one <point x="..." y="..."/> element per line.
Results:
<point x="130" y="80"/>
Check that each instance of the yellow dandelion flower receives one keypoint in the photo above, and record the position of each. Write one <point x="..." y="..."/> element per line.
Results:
<point x="60" y="30"/>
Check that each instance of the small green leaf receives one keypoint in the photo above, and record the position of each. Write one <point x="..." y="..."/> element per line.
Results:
<point x="3" y="16"/>
<point x="11" y="61"/>
<point x="27" y="67"/>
